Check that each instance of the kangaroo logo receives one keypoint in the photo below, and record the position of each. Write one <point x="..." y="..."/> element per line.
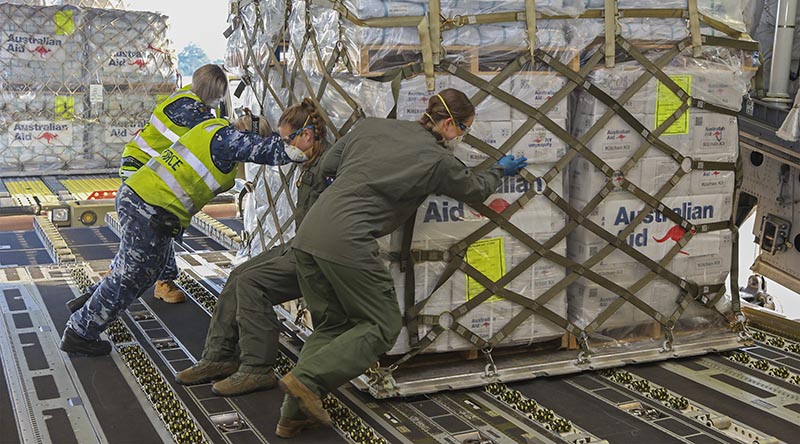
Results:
<point x="138" y="62"/>
<point x="42" y="51"/>
<point x="675" y="233"/>
<point x="498" y="206"/>
<point x="48" y="136"/>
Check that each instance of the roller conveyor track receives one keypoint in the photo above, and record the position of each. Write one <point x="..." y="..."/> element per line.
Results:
<point x="8" y="423"/>
<point x="104" y="381"/>
<point x="96" y="243"/>
<point x="594" y="404"/>
<point x="726" y="403"/>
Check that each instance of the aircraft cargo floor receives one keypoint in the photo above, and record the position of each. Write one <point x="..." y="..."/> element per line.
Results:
<point x="131" y="397"/>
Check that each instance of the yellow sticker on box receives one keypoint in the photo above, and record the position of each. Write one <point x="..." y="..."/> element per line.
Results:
<point x="667" y="103"/>
<point x="488" y="257"/>
<point x="65" y="107"/>
<point x="65" y="25"/>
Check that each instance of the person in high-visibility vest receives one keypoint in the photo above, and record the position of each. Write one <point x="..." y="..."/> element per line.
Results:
<point x="171" y="119"/>
<point x="155" y="205"/>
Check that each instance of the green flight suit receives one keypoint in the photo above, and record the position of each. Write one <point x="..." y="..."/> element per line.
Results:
<point x="243" y="314"/>
<point x="384" y="170"/>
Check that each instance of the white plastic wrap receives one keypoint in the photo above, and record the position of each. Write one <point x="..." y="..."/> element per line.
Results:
<point x="726" y="11"/>
<point x="701" y="196"/>
<point x="77" y="83"/>
<point x="719" y="77"/>
<point x="41" y="132"/>
<point x="442" y="222"/>
<point x="128" y="48"/>
<point x="378" y="8"/>
<point x="790" y="128"/>
<point x="42" y="45"/>
<point x="271" y="20"/>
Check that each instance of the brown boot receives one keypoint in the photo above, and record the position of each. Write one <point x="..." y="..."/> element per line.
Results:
<point x="206" y="371"/>
<point x="288" y="428"/>
<point x="309" y="402"/>
<point x="241" y="383"/>
<point x="168" y="292"/>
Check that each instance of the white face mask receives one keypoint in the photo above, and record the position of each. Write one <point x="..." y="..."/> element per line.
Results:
<point x="214" y="103"/>
<point x="295" y="153"/>
<point x="454" y="142"/>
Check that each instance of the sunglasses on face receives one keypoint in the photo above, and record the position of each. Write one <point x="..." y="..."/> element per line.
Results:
<point x="288" y="139"/>
<point x="464" y="128"/>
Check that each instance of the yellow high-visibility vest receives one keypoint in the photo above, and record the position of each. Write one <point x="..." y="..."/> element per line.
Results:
<point x="183" y="178"/>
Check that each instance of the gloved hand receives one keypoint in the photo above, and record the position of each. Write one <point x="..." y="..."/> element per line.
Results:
<point x="511" y="166"/>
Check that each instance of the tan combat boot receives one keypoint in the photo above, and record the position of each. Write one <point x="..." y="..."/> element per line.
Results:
<point x="241" y="383"/>
<point x="206" y="371"/>
<point x="289" y="428"/>
<point x="309" y="402"/>
<point x="168" y="292"/>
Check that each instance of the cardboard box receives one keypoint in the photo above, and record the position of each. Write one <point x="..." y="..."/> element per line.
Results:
<point x="489" y="317"/>
<point x="650" y="175"/>
<point x="706" y="253"/>
<point x="701" y="135"/>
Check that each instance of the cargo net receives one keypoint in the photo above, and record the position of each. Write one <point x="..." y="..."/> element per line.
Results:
<point x="77" y="84"/>
<point x="617" y="235"/>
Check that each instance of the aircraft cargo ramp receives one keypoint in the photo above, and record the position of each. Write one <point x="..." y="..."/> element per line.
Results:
<point x="746" y="396"/>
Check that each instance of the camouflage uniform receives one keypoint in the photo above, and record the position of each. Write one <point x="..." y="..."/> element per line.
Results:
<point x="184" y="112"/>
<point x="136" y="267"/>
<point x="147" y="229"/>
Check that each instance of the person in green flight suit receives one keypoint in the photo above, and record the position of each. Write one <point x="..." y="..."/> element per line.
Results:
<point x="243" y="313"/>
<point x="384" y="170"/>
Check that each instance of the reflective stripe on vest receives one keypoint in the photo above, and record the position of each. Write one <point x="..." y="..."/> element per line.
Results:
<point x="169" y="179"/>
<point x="163" y="129"/>
<point x="198" y="166"/>
<point x="142" y="144"/>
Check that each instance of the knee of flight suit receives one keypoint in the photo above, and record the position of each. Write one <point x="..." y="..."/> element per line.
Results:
<point x="247" y="279"/>
<point x="230" y="284"/>
<point x="390" y="329"/>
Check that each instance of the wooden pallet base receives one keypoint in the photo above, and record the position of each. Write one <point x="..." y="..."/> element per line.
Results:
<point x="375" y="60"/>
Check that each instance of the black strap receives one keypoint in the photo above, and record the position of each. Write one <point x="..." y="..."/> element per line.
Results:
<point x="407" y="267"/>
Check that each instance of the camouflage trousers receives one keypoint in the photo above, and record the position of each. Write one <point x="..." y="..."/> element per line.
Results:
<point x="142" y="255"/>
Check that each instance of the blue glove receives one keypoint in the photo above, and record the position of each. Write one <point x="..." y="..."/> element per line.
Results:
<point x="511" y="166"/>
